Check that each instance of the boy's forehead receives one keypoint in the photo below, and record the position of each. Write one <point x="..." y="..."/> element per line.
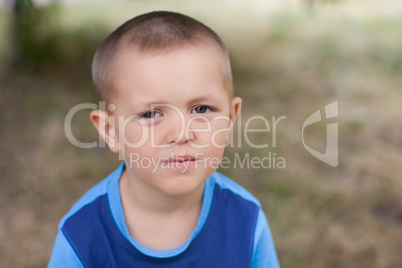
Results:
<point x="141" y="90"/>
<point x="136" y="53"/>
<point x="131" y="57"/>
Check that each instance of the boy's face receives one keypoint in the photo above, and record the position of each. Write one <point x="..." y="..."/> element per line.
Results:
<point x="172" y="117"/>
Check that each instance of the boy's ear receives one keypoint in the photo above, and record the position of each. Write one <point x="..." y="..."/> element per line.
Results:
<point x="100" y="119"/>
<point x="234" y="109"/>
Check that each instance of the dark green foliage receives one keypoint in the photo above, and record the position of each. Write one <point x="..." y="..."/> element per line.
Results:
<point x="40" y="43"/>
<point x="33" y="43"/>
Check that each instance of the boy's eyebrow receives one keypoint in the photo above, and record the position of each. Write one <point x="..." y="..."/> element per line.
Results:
<point x="203" y="98"/>
<point x="142" y="105"/>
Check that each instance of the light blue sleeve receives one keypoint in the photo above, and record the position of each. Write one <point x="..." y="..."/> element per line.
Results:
<point x="264" y="253"/>
<point x="63" y="254"/>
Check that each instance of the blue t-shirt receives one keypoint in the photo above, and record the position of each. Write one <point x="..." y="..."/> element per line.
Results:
<point x="231" y="231"/>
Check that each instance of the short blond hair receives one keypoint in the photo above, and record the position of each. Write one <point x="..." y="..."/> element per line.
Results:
<point x="150" y="32"/>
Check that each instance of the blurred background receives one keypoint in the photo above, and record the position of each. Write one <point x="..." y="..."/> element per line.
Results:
<point x="289" y="58"/>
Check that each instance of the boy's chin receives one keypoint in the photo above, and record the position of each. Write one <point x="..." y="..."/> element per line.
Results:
<point x="182" y="185"/>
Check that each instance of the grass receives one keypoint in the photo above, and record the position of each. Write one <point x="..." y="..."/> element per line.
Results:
<point x="287" y="60"/>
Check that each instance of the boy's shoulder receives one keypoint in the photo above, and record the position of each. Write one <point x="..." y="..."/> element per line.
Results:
<point x="227" y="184"/>
<point x="98" y="190"/>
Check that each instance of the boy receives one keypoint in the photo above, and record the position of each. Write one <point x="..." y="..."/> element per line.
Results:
<point x="167" y="85"/>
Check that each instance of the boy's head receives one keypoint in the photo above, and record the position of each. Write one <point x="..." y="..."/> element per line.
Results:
<point x="152" y="33"/>
<point x="166" y="79"/>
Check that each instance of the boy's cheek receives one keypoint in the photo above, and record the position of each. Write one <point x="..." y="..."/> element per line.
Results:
<point x="217" y="135"/>
<point x="132" y="137"/>
<point x="220" y="140"/>
<point x="221" y="134"/>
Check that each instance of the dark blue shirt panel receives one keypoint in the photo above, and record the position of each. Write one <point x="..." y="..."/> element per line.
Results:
<point x="226" y="239"/>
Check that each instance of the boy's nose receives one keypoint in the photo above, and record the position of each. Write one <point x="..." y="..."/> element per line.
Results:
<point x="178" y="131"/>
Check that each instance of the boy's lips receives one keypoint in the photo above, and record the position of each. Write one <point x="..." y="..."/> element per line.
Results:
<point x="180" y="162"/>
<point x="181" y="159"/>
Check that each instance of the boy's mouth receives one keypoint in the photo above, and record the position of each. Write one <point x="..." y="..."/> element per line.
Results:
<point x="181" y="159"/>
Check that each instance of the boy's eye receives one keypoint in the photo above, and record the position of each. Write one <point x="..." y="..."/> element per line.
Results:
<point x="201" y="109"/>
<point x="150" y="114"/>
